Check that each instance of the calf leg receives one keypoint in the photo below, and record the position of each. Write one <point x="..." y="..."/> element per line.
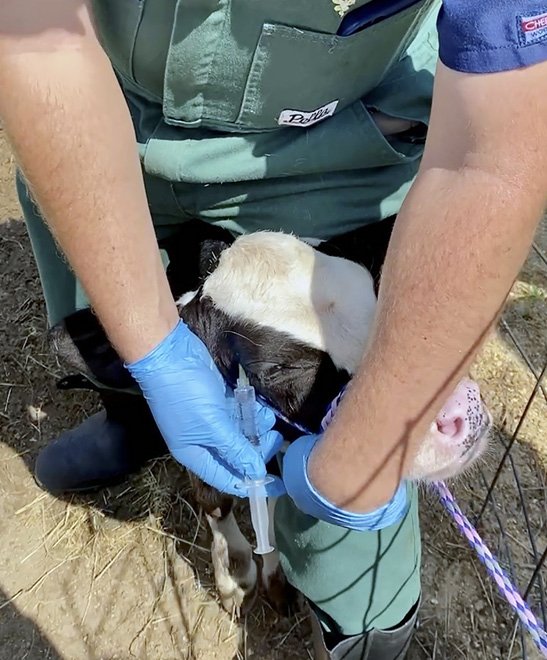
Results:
<point x="235" y="570"/>
<point x="233" y="565"/>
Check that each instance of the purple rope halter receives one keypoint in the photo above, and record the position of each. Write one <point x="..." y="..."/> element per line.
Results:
<point x="508" y="590"/>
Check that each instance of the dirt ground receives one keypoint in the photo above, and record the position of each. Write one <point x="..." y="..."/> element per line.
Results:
<point x="125" y="574"/>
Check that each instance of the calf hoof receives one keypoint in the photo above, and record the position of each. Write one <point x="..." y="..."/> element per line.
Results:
<point x="235" y="575"/>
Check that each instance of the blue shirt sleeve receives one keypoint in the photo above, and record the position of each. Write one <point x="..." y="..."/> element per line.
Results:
<point x="484" y="36"/>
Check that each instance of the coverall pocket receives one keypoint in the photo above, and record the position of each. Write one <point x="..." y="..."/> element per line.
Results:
<point x="312" y="72"/>
<point x="384" y="150"/>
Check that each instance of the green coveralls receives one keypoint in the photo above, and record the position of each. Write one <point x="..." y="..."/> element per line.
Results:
<point x="208" y="83"/>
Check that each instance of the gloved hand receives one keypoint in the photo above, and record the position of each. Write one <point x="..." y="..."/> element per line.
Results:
<point x="188" y="398"/>
<point x="310" y="501"/>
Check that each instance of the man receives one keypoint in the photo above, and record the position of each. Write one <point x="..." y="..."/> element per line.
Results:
<point x="305" y="117"/>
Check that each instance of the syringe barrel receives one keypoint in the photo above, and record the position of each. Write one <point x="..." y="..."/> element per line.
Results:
<point x="259" y="516"/>
<point x="246" y="404"/>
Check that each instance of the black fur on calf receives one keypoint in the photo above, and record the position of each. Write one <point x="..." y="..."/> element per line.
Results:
<point x="297" y="380"/>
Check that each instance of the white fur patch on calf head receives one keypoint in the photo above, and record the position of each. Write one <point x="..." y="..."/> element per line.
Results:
<point x="276" y="280"/>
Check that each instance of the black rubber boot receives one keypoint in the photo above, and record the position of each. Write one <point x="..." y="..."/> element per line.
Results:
<point x="392" y="644"/>
<point x="103" y="450"/>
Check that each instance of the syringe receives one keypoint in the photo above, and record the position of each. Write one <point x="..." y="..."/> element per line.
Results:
<point x="246" y="406"/>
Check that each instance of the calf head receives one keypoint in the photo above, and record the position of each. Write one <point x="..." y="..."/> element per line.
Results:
<point x="297" y="320"/>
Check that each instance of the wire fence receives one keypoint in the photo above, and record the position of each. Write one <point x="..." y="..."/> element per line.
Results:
<point x="510" y="504"/>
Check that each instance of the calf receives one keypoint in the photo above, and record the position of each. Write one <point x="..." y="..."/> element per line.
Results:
<point x="297" y="320"/>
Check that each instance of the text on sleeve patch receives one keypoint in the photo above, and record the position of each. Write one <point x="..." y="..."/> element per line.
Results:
<point x="532" y="29"/>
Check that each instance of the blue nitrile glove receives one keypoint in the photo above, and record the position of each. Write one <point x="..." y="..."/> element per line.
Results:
<point x="307" y="499"/>
<point x="188" y="398"/>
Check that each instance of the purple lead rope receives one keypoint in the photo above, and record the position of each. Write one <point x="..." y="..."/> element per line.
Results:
<point x="499" y="576"/>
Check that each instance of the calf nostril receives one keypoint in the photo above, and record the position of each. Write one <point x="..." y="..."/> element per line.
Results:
<point x="450" y="427"/>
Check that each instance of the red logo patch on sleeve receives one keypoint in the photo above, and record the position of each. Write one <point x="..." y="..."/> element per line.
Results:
<point x="532" y="29"/>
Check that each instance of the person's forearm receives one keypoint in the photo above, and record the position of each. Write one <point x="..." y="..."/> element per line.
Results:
<point x="458" y="243"/>
<point x="442" y="288"/>
<point x="72" y="134"/>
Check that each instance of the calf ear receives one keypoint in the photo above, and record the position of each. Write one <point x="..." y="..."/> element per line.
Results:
<point x="65" y="351"/>
<point x="80" y="343"/>
<point x="187" y="249"/>
<point x="209" y="256"/>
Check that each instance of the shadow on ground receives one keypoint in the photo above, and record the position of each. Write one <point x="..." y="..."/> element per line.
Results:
<point x="20" y="638"/>
<point x="139" y="550"/>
